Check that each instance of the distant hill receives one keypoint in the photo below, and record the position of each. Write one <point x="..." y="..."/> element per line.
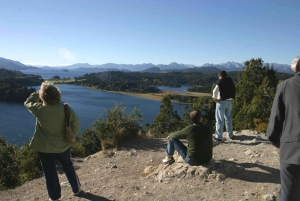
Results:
<point x="152" y="70"/>
<point x="149" y="67"/>
<point x="283" y="68"/>
<point x="13" y="65"/>
<point x="145" y="67"/>
<point x="122" y="67"/>
<point x="229" y="66"/>
<point x="96" y="70"/>
<point x="234" y="66"/>
<point x="204" y="70"/>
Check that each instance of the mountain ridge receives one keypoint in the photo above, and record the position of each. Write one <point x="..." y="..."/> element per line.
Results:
<point x="228" y="66"/>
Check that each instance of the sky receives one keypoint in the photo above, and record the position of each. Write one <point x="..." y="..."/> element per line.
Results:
<point x="63" y="32"/>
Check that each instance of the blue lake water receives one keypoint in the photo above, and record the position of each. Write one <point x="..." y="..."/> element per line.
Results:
<point x="47" y="74"/>
<point x="17" y="124"/>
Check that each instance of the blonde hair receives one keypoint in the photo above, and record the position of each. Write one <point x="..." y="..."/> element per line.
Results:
<point x="49" y="94"/>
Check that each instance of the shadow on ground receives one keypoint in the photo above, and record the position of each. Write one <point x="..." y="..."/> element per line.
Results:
<point x="244" y="140"/>
<point x="141" y="143"/>
<point x="249" y="172"/>
<point x="90" y="196"/>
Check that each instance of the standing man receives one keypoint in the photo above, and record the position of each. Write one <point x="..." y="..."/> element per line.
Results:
<point x="284" y="133"/>
<point x="223" y="93"/>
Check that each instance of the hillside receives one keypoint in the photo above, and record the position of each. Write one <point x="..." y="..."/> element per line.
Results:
<point x="13" y="65"/>
<point x="246" y="168"/>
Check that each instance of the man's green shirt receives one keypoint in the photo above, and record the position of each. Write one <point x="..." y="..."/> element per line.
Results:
<point x="200" y="143"/>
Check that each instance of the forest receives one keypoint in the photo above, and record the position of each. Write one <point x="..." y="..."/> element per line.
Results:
<point x="14" y="85"/>
<point x="145" y="82"/>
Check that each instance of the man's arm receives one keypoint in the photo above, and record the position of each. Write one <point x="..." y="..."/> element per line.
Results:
<point x="181" y="134"/>
<point x="216" y="93"/>
<point x="276" y="118"/>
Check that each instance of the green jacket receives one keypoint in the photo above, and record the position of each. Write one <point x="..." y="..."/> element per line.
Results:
<point x="49" y="134"/>
<point x="200" y="143"/>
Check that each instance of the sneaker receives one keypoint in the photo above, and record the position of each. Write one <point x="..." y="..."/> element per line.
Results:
<point x="220" y="140"/>
<point x="231" y="137"/>
<point x="168" y="160"/>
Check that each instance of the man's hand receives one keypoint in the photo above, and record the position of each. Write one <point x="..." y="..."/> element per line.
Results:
<point x="277" y="145"/>
<point x="217" y="100"/>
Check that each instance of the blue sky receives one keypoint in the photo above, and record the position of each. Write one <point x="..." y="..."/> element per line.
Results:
<point x="61" y="32"/>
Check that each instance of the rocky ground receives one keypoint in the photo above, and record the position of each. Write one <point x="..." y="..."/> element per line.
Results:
<point x="246" y="168"/>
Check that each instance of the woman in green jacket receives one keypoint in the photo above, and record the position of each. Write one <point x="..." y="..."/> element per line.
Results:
<point x="49" y="137"/>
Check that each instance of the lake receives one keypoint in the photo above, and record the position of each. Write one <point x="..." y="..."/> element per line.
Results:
<point x="47" y="74"/>
<point x="17" y="124"/>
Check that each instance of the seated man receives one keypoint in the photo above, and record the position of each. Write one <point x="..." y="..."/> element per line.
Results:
<point x="200" y="143"/>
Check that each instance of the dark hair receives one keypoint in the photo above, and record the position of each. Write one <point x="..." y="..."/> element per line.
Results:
<point x="195" y="116"/>
<point x="222" y="73"/>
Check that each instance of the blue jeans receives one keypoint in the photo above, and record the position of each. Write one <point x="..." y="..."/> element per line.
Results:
<point x="176" y="144"/>
<point x="49" y="168"/>
<point x="223" y="112"/>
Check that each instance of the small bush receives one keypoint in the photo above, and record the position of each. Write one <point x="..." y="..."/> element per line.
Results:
<point x="90" y="141"/>
<point x="9" y="174"/>
<point x="29" y="164"/>
<point x="18" y="165"/>
<point x="116" y="126"/>
<point x="260" y="125"/>
<point x="78" y="150"/>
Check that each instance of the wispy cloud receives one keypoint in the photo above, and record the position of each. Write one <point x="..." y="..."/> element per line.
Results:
<point x="66" y="54"/>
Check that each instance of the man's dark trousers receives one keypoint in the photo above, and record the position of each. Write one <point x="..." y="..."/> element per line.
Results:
<point x="290" y="182"/>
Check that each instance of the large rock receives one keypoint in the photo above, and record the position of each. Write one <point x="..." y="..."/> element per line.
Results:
<point x="215" y="170"/>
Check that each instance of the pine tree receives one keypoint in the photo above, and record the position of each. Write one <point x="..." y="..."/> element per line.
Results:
<point x="207" y="106"/>
<point x="254" y="95"/>
<point x="167" y="120"/>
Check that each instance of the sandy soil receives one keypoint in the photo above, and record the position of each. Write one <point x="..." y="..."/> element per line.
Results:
<point x="246" y="168"/>
<point x="158" y="96"/>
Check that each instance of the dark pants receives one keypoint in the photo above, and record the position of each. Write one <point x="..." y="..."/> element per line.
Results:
<point x="49" y="168"/>
<point x="290" y="182"/>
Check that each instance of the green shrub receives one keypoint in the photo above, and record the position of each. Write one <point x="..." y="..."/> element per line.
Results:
<point x="29" y="163"/>
<point x="18" y="165"/>
<point x="116" y="126"/>
<point x="9" y="171"/>
<point x="90" y="141"/>
<point x="78" y="150"/>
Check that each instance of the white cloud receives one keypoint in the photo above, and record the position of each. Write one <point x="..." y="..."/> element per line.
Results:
<point x="66" y="54"/>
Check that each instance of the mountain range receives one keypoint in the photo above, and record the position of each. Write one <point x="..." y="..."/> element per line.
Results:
<point x="145" y="67"/>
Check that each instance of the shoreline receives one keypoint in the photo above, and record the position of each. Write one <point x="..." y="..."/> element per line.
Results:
<point x="152" y="96"/>
<point x="158" y="96"/>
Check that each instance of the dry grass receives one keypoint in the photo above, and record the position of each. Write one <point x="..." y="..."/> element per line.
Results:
<point x="158" y="96"/>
